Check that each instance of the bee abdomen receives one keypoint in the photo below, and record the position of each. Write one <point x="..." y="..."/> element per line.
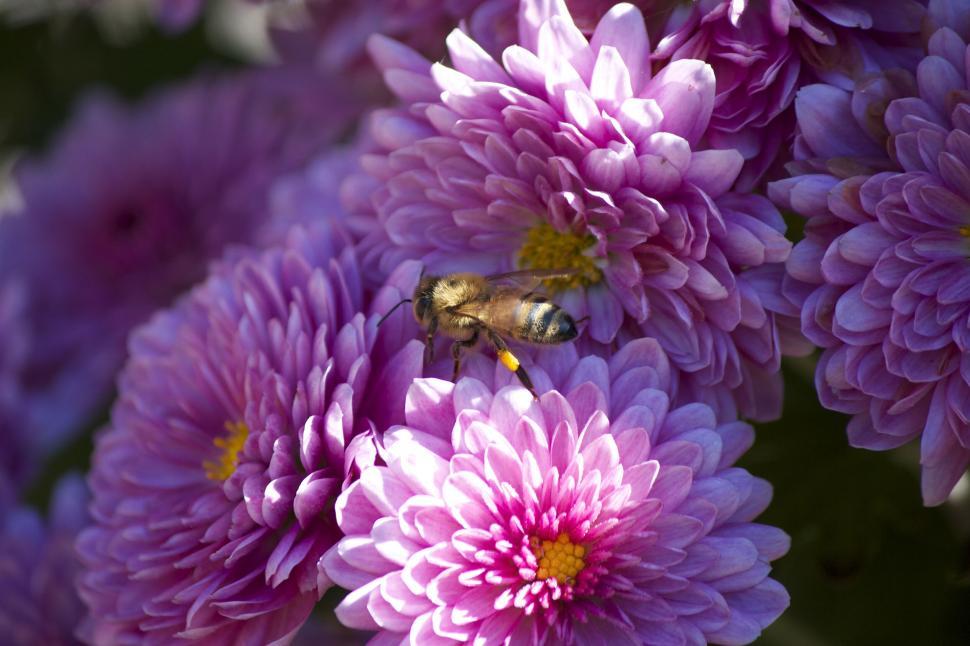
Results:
<point x="540" y="321"/>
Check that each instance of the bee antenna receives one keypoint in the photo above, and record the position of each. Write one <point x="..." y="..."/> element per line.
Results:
<point x="384" y="318"/>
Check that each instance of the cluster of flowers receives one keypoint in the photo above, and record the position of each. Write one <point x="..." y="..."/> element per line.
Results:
<point x="270" y="440"/>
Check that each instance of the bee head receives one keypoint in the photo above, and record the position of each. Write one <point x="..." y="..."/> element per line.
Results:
<point x="424" y="297"/>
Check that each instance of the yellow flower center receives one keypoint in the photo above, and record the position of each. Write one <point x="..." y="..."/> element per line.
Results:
<point x="231" y="445"/>
<point x="546" y="248"/>
<point x="560" y="559"/>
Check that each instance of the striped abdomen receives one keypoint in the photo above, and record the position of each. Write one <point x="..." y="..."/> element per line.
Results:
<point x="539" y="321"/>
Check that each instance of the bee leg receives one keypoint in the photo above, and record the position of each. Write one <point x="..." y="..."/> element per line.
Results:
<point x="456" y="349"/>
<point x="511" y="362"/>
<point x="429" y="341"/>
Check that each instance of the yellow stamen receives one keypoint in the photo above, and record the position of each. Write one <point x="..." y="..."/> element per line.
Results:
<point x="546" y="248"/>
<point x="231" y="445"/>
<point x="561" y="559"/>
<point x="508" y="360"/>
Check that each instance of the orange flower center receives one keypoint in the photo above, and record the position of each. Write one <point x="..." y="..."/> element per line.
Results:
<point x="546" y="248"/>
<point x="560" y="559"/>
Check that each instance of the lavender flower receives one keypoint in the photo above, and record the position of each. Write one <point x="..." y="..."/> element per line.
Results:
<point x="242" y="413"/>
<point x="881" y="276"/>
<point x="38" y="564"/>
<point x="128" y="209"/>
<point x="573" y="155"/>
<point x="597" y="514"/>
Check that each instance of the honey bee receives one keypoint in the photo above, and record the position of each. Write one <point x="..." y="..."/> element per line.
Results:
<point x="466" y="306"/>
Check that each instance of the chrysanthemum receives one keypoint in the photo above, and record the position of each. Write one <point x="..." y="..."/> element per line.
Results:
<point x="761" y="53"/>
<point x="38" y="565"/>
<point x="597" y="514"/>
<point x="882" y="274"/>
<point x="757" y="70"/>
<point x="572" y="154"/>
<point x="129" y="207"/>
<point x="242" y="412"/>
<point x="840" y="37"/>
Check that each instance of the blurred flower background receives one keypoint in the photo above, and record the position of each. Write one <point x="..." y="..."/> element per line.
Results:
<point x="146" y="145"/>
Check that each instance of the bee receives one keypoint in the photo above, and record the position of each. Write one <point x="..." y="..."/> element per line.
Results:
<point x="467" y="306"/>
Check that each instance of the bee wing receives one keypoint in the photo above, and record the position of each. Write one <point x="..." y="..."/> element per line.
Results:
<point x="482" y="316"/>
<point x="497" y="313"/>
<point x="530" y="279"/>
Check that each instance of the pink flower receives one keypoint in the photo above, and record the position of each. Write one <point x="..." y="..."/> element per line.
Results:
<point x="597" y="514"/>
<point x="572" y="154"/>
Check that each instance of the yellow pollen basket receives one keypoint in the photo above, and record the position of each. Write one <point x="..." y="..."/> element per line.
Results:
<point x="231" y="445"/>
<point x="560" y="559"/>
<point x="546" y="248"/>
<point x="508" y="360"/>
<point x="965" y="231"/>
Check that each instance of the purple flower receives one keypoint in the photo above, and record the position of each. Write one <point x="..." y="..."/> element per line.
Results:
<point x="14" y="339"/>
<point x="242" y="413"/>
<point x="335" y="34"/>
<point x="757" y="72"/>
<point x="597" y="514"/>
<point x="38" y="565"/>
<point x="128" y="209"/>
<point x="572" y="154"/>
<point x="757" y="51"/>
<point x="881" y="276"/>
<point x="312" y="194"/>
<point x="840" y="39"/>
<point x="588" y="13"/>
